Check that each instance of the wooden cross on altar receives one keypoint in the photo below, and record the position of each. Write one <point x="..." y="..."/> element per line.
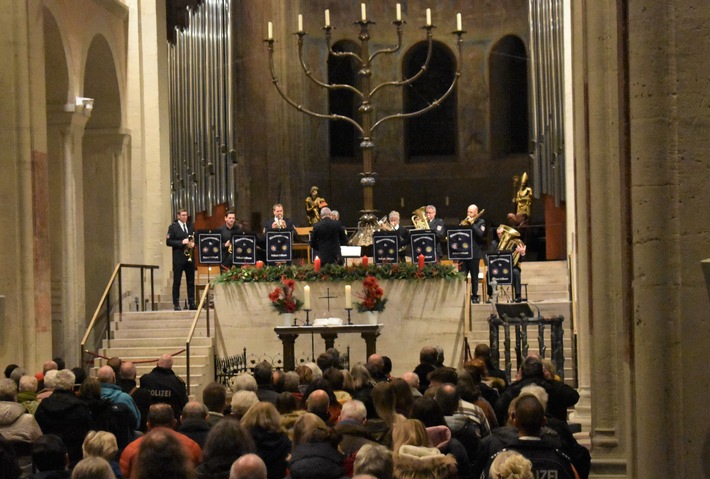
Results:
<point x="327" y="297"/>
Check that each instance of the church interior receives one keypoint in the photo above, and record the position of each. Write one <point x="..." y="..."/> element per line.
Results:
<point x="116" y="113"/>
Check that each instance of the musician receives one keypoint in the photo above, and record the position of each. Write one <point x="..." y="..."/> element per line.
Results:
<point x="229" y="229"/>
<point x="279" y="223"/>
<point x="327" y="237"/>
<point x="401" y="231"/>
<point x="478" y="229"/>
<point x="437" y="226"/>
<point x="178" y="238"/>
<point x="517" y="246"/>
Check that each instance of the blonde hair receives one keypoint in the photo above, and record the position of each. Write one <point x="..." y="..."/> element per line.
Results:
<point x="93" y="468"/>
<point x="242" y="401"/>
<point x="263" y="415"/>
<point x="100" y="444"/>
<point x="410" y="432"/>
<point x="311" y="429"/>
<point x="510" y="465"/>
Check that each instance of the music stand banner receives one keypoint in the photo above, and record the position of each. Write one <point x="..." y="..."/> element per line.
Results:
<point x="385" y="246"/>
<point x="460" y="244"/>
<point x="209" y="247"/>
<point x="243" y="249"/>
<point x="278" y="246"/>
<point x="500" y="267"/>
<point x="423" y="242"/>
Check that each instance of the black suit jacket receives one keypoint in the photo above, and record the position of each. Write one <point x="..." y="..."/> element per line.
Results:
<point x="479" y="233"/>
<point x="174" y="240"/>
<point x="326" y="238"/>
<point x="226" y="235"/>
<point x="289" y="225"/>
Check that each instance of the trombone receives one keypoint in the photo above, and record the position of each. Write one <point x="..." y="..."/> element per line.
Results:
<point x="469" y="221"/>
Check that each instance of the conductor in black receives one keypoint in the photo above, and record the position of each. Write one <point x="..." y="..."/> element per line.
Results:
<point x="181" y="239"/>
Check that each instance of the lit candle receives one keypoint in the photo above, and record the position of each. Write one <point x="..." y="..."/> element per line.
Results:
<point x="420" y="262"/>
<point x="259" y="264"/>
<point x="316" y="264"/>
<point x="428" y="17"/>
<point x="459" y="26"/>
<point x="270" y="31"/>
<point x="399" y="11"/>
<point x="348" y="297"/>
<point x="363" y="261"/>
<point x="300" y="22"/>
<point x="307" y="297"/>
<point x="327" y="17"/>
<point x="363" y="11"/>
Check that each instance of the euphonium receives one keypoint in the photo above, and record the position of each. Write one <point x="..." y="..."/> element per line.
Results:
<point x="419" y="219"/>
<point x="189" y="250"/>
<point x="469" y="221"/>
<point x="509" y="241"/>
<point x="384" y="224"/>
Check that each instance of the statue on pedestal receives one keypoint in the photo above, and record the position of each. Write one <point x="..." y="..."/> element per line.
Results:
<point x="313" y="205"/>
<point x="523" y="201"/>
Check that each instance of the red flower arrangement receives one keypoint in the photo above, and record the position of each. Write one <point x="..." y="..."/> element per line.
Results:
<point x="372" y="296"/>
<point x="283" y="300"/>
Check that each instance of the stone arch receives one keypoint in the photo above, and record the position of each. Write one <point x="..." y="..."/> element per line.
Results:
<point x="508" y="83"/>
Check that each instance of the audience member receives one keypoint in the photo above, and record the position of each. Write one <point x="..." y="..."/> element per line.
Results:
<point x="427" y="364"/>
<point x="194" y="423"/>
<point x="376" y="366"/>
<point x="214" y="396"/>
<point x="329" y="409"/>
<point x="351" y="426"/>
<point x="165" y="386"/>
<point x="50" y="458"/>
<point x="336" y="379"/>
<point x="483" y="352"/>
<point x="111" y="391"/>
<point x="263" y="373"/>
<point x="226" y="443"/>
<point x="373" y="460"/>
<point x="163" y="454"/>
<point x="263" y="422"/>
<point x="362" y="388"/>
<point x="290" y="412"/>
<point x="414" y="458"/>
<point x="413" y="382"/>
<point x="115" y="364"/>
<point x="9" y="369"/>
<point x="249" y="466"/>
<point x="102" y="444"/>
<point x="315" y="453"/>
<point x="9" y="467"/>
<point x="16" y="424"/>
<point x="93" y="468"/>
<point x="244" y="382"/>
<point x="325" y="361"/>
<point x="471" y="392"/>
<point x="27" y="395"/>
<point x="510" y="465"/>
<point x="242" y="401"/>
<point x="141" y="396"/>
<point x="404" y="396"/>
<point x="385" y="403"/>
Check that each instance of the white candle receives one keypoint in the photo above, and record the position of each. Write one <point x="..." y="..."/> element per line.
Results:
<point x="306" y="297"/>
<point x="348" y="297"/>
<point x="428" y="16"/>
<point x="300" y="22"/>
<point x="399" y="11"/>
<point x="327" y="17"/>
<point x="458" y="22"/>
<point x="363" y="11"/>
<point x="270" y="31"/>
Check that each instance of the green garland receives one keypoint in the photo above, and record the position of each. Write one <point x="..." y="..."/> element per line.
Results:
<point x="333" y="272"/>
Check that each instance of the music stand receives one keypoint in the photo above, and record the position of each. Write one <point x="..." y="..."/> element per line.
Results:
<point x="514" y="310"/>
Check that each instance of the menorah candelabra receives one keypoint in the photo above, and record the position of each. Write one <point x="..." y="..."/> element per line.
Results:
<point x="367" y="223"/>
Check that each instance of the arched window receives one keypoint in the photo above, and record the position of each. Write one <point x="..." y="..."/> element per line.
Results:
<point x="509" y="97"/>
<point x="431" y="136"/>
<point x="344" y="140"/>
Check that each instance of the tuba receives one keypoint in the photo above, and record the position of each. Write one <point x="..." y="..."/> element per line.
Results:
<point x="469" y="221"/>
<point x="384" y="224"/>
<point x="189" y="250"/>
<point x="419" y="219"/>
<point x="509" y="241"/>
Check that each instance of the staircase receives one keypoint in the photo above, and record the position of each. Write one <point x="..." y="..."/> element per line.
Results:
<point x="140" y="336"/>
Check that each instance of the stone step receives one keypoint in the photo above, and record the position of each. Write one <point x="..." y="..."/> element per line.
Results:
<point x="125" y="333"/>
<point x="153" y="352"/>
<point x="151" y="342"/>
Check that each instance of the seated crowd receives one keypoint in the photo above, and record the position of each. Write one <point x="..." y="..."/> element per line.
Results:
<point x="320" y="421"/>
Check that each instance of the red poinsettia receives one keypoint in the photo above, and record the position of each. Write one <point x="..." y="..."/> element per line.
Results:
<point x="283" y="300"/>
<point x="372" y="296"/>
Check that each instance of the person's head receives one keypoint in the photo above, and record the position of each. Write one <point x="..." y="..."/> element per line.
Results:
<point x="477" y="369"/>
<point x="182" y="215"/>
<point x="467" y="389"/>
<point x="430" y="212"/>
<point x="100" y="444"/>
<point x="214" y="396"/>
<point x="8" y="390"/>
<point x="49" y="454"/>
<point x="115" y="364"/>
<point x="353" y="410"/>
<point x="263" y="373"/>
<point x="374" y="459"/>
<point x="427" y="355"/>
<point x="403" y="393"/>
<point x="194" y="410"/>
<point x="318" y="403"/>
<point x="28" y="384"/>
<point x="90" y="389"/>
<point x="532" y="368"/>
<point x="165" y="361"/>
<point x="227" y="438"/>
<point x="537" y="391"/>
<point x="128" y="371"/>
<point x="291" y="381"/>
<point x="242" y="401"/>
<point x="410" y="432"/>
<point x="482" y="351"/>
<point x="230" y="218"/>
<point x="499" y="231"/>
<point x="10" y="368"/>
<point x="79" y="376"/>
<point x="278" y="210"/>
<point x="361" y="376"/>
<point x="16" y="374"/>
<point x="439" y="354"/>
<point x="549" y="367"/>
<point x="428" y="411"/>
<point x="262" y="415"/>
<point x="412" y="379"/>
<point x="385" y="401"/>
<point x="48" y="366"/>
<point x="375" y="364"/>
<point x="335" y="378"/>
<point x="325" y="212"/>
<point x="160" y="415"/>
<point x="305" y="374"/>
<point x="528" y="416"/>
<point x="510" y="465"/>
<point x="286" y="403"/>
<point x="106" y="375"/>
<point x="162" y="455"/>
<point x="249" y="466"/>
<point x="335" y="215"/>
<point x="59" y="379"/>
<point x="244" y="382"/>
<point x="393" y="218"/>
<point x="325" y="361"/>
<point x="317" y="372"/>
<point x="277" y="378"/>
<point x="311" y="429"/>
<point x="93" y="468"/>
<point x="472" y="211"/>
<point x="448" y="399"/>
<point x="442" y="376"/>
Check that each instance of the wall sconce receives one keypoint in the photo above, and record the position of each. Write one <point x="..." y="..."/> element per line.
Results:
<point x="86" y="103"/>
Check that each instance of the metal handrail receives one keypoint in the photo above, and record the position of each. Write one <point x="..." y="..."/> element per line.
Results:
<point x="204" y="300"/>
<point x="105" y="300"/>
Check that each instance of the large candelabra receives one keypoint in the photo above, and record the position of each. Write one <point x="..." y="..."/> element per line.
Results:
<point x="368" y="223"/>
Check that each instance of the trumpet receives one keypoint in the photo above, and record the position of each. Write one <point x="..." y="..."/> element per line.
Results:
<point x="469" y="221"/>
<point x="189" y="249"/>
<point x="280" y="224"/>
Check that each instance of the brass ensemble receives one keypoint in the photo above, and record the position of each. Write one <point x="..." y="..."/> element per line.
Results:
<point x="469" y="221"/>
<point x="510" y="241"/>
<point x="419" y="219"/>
<point x="188" y="251"/>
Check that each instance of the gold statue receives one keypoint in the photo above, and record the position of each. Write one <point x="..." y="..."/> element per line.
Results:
<point x="523" y="202"/>
<point x="313" y="205"/>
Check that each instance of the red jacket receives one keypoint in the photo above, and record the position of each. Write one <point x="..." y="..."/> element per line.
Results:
<point x="130" y="453"/>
